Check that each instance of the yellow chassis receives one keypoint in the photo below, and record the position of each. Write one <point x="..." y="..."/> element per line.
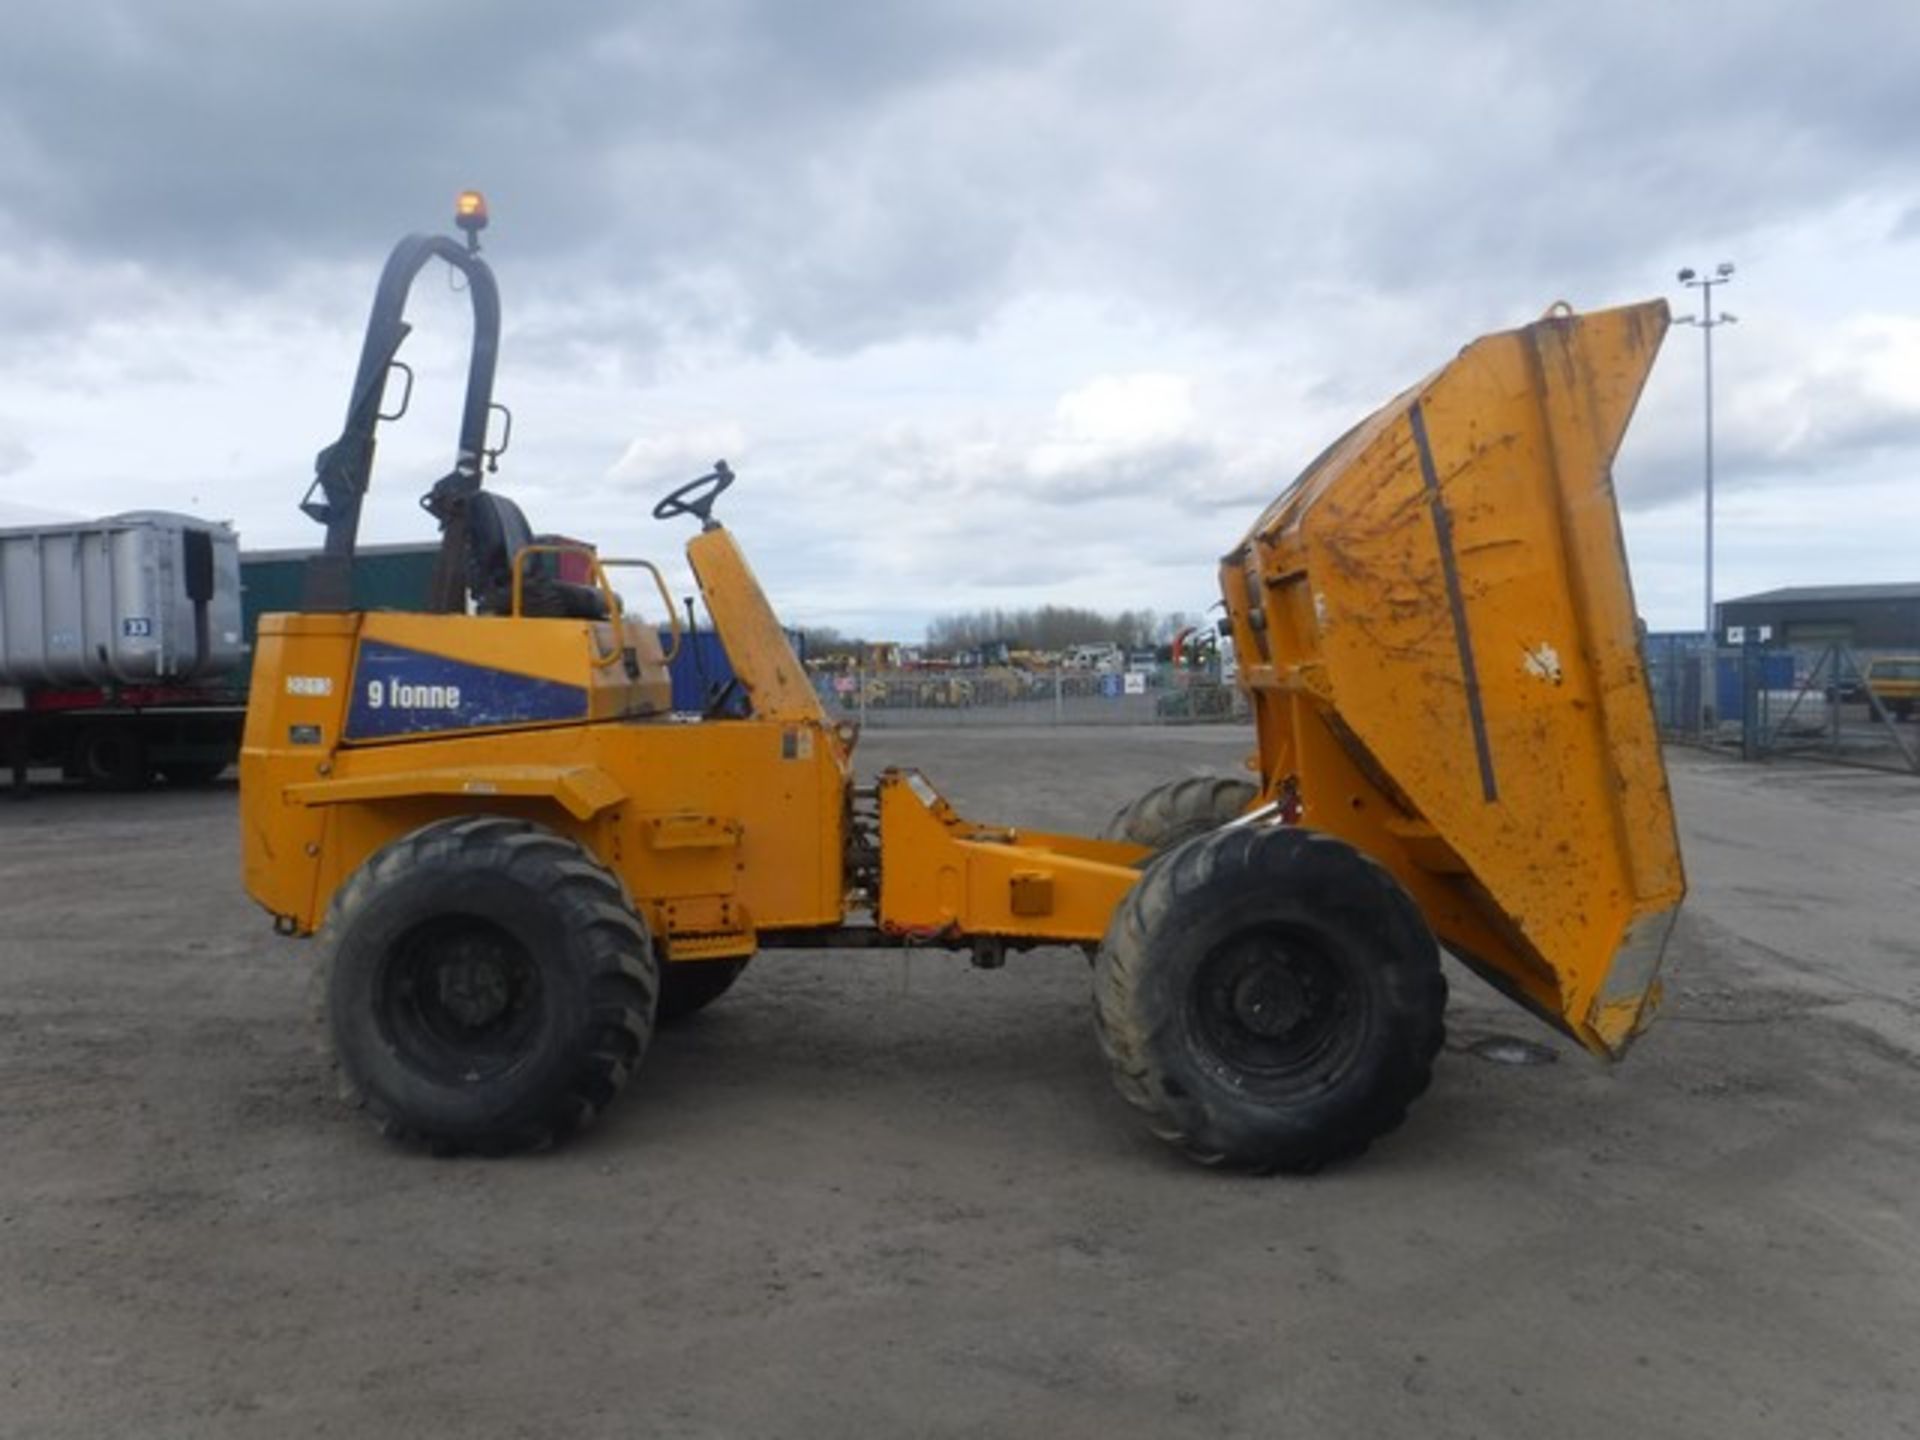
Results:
<point x="728" y="834"/>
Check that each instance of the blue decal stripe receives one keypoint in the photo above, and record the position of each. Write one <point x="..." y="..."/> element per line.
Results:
<point x="397" y="691"/>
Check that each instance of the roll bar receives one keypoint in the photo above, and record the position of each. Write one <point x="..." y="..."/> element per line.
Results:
<point x="343" y="471"/>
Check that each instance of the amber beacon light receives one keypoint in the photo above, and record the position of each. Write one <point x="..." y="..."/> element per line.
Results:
<point x="470" y="214"/>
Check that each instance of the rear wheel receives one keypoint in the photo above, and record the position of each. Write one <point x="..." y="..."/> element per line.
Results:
<point x="109" y="756"/>
<point x="488" y="988"/>
<point x="693" y="985"/>
<point x="1270" y="999"/>
<point x="1170" y="814"/>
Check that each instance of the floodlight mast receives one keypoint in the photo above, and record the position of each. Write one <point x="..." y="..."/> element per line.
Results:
<point x="1708" y="322"/>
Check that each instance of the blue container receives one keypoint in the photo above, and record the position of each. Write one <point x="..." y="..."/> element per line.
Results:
<point x="1775" y="673"/>
<point x="701" y="670"/>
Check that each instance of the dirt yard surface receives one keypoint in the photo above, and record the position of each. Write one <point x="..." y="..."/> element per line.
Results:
<point x="874" y="1195"/>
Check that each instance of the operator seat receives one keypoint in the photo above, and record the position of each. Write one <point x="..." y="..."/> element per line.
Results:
<point x="496" y="532"/>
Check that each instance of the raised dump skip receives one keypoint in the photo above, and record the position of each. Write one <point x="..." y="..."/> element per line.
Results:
<point x="1438" y="630"/>
<point x="135" y="599"/>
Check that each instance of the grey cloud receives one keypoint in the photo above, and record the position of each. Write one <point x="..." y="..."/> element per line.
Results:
<point x="1160" y="469"/>
<point x="913" y="467"/>
<point x="232" y="141"/>
<point x="1832" y="422"/>
<point x="1779" y="428"/>
<point x="842" y="174"/>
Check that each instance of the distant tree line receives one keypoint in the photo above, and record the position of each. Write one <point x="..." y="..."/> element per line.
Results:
<point x="1049" y="627"/>
<point x="1053" y="627"/>
<point x="821" y="642"/>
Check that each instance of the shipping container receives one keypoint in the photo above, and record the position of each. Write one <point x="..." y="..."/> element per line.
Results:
<point x="702" y="671"/>
<point x="385" y="577"/>
<point x="140" y="599"/>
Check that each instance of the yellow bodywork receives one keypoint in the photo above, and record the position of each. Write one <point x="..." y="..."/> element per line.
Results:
<point x="1436" y="626"/>
<point x="944" y="877"/>
<point x="721" y="830"/>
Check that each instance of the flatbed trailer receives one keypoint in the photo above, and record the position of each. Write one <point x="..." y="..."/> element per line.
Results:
<point x="121" y="737"/>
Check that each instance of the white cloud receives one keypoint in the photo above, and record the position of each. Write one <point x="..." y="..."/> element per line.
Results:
<point x="1114" y="432"/>
<point x="666" y="459"/>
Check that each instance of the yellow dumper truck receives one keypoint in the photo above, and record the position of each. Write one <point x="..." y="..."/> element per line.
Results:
<point x="518" y="861"/>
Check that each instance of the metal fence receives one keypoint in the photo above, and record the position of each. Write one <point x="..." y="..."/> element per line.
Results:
<point x="1006" y="696"/>
<point x="1764" y="700"/>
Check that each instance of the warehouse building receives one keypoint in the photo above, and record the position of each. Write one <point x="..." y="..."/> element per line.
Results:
<point x="1861" y="617"/>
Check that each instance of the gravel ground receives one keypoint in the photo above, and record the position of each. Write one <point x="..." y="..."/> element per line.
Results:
<point x="881" y="1195"/>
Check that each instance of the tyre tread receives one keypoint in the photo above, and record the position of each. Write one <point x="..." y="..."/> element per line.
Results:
<point x="1184" y="882"/>
<point x="1181" y="809"/>
<point x="624" y="986"/>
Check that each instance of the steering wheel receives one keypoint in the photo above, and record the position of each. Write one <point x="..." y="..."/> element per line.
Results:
<point x="696" y="497"/>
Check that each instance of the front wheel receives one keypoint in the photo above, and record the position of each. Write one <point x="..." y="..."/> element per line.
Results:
<point x="1270" y="999"/>
<point x="488" y="988"/>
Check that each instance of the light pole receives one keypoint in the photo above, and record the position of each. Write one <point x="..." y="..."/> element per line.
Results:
<point x="1708" y="321"/>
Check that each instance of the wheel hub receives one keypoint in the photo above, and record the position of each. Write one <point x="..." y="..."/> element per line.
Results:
<point x="1271" y="1001"/>
<point x="463" y="997"/>
<point x="1266" y="1004"/>
<point x="474" y="985"/>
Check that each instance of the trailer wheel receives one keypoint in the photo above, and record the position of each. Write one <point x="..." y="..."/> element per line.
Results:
<point x="693" y="985"/>
<point x="1270" y="999"/>
<point x="180" y="773"/>
<point x="488" y="987"/>
<point x="109" y="756"/>
<point x="1175" y="812"/>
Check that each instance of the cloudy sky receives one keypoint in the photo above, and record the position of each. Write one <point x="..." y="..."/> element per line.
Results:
<point x="988" y="303"/>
